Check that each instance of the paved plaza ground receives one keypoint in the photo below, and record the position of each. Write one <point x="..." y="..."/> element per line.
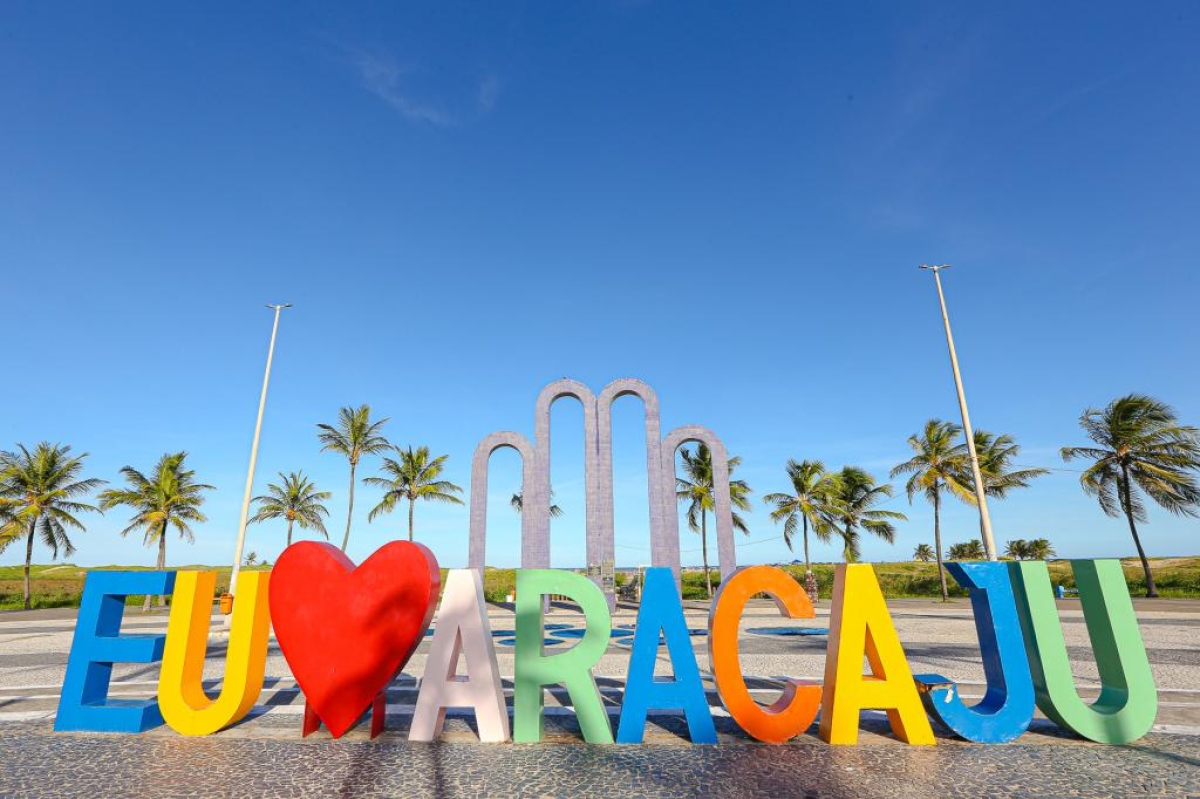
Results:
<point x="265" y="756"/>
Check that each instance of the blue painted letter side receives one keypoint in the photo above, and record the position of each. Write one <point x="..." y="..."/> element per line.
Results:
<point x="98" y="644"/>
<point x="1006" y="709"/>
<point x="662" y="611"/>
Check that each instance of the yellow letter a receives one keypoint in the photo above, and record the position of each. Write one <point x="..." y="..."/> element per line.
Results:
<point x="859" y="624"/>
<point x="181" y="696"/>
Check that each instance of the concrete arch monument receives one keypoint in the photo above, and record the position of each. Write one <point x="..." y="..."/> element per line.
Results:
<point x="598" y="480"/>
<point x="726" y="545"/>
<point x="661" y="504"/>
<point x="477" y="548"/>
<point x="539" y="496"/>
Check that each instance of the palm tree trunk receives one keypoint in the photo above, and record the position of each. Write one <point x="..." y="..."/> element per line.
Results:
<point x="410" y="518"/>
<point x="704" y="550"/>
<point x="29" y="558"/>
<point x="807" y="565"/>
<point x="162" y="562"/>
<point x="290" y="523"/>
<point x="937" y="543"/>
<point x="1127" y="501"/>
<point x="349" y="510"/>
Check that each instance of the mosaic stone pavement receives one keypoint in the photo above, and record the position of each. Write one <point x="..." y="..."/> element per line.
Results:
<point x="265" y="756"/>
<point x="226" y="766"/>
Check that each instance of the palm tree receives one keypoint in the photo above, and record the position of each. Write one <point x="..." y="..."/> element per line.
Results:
<point x="1017" y="549"/>
<point x="967" y="550"/>
<point x="518" y="504"/>
<point x="939" y="465"/>
<point x="1142" y="444"/>
<point x="923" y="553"/>
<point x="696" y="488"/>
<point x="1040" y="549"/>
<point x="168" y="497"/>
<point x="814" y="503"/>
<point x="996" y="454"/>
<point x="414" y="476"/>
<point x="354" y="436"/>
<point x="38" y="493"/>
<point x="858" y="494"/>
<point x="297" y="500"/>
<point x="251" y="558"/>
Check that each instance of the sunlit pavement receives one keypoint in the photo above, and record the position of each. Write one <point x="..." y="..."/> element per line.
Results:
<point x="264" y="755"/>
<point x="37" y="762"/>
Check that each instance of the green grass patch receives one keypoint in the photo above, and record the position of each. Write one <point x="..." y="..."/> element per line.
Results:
<point x="60" y="585"/>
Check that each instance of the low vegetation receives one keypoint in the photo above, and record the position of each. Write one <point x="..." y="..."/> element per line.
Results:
<point x="61" y="585"/>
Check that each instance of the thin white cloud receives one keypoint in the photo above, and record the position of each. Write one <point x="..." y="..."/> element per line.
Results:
<point x="381" y="76"/>
<point x="385" y="77"/>
<point x="489" y="92"/>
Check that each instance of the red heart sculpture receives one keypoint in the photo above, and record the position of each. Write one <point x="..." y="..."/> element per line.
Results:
<point x="346" y="632"/>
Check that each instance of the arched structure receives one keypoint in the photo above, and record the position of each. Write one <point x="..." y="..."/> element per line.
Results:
<point x="477" y="551"/>
<point x="598" y="481"/>
<point x="537" y="496"/>
<point x="726" y="549"/>
<point x="661" y="501"/>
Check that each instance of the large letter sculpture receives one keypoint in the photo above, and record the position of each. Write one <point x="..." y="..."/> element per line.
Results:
<point x="181" y="697"/>
<point x="1007" y="708"/>
<point x="462" y="627"/>
<point x="573" y="668"/>
<point x="796" y="709"/>
<point x="98" y="644"/>
<point x="346" y="632"/>
<point x="1128" y="700"/>
<point x="662" y="611"/>
<point x="859" y="623"/>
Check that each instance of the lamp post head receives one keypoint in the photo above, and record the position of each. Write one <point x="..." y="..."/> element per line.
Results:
<point x="278" y="305"/>
<point x="935" y="268"/>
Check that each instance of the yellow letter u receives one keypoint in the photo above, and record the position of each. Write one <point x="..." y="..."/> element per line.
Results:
<point x="181" y="697"/>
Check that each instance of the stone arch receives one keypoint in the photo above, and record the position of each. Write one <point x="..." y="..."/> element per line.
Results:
<point x="726" y="549"/>
<point x="628" y="386"/>
<point x="537" y="494"/>
<point x="477" y="552"/>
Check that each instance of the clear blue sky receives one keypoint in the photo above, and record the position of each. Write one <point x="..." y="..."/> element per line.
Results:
<point x="465" y="201"/>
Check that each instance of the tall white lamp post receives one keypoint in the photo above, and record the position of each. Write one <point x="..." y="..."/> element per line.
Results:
<point x="985" y="520"/>
<point x="262" y="404"/>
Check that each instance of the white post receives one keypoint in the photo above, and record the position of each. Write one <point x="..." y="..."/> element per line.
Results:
<point x="985" y="519"/>
<point x="262" y="404"/>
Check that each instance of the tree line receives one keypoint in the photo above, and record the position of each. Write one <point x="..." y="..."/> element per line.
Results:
<point x="41" y="491"/>
<point x="1139" y="450"/>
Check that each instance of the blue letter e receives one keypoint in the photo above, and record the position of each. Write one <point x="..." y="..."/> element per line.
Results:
<point x="98" y="645"/>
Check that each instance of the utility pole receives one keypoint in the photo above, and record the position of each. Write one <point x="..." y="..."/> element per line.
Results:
<point x="262" y="404"/>
<point x="985" y="520"/>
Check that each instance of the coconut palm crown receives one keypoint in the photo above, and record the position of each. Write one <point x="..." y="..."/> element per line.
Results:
<point x="1017" y="549"/>
<point x="696" y="489"/>
<point x="1140" y="449"/>
<point x="518" y="504"/>
<point x="1040" y="549"/>
<point x="996" y="454"/>
<point x="353" y="436"/>
<point x="295" y="499"/>
<point x="39" y="498"/>
<point x="858" y="494"/>
<point x="938" y="466"/>
<point x="968" y="550"/>
<point x="414" y="476"/>
<point x="168" y="497"/>
<point x="812" y="504"/>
